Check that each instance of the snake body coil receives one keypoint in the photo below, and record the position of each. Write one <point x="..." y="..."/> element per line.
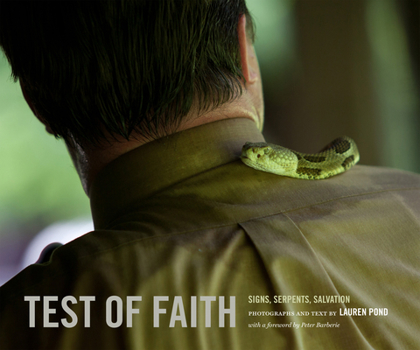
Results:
<point x="339" y="156"/>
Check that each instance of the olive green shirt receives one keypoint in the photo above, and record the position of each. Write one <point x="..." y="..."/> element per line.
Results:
<point x="227" y="257"/>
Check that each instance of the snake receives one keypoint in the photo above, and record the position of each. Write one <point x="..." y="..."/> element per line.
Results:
<point x="337" y="157"/>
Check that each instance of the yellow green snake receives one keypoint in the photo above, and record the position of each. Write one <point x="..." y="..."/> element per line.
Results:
<point x="337" y="157"/>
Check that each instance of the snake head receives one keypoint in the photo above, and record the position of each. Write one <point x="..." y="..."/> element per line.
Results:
<point x="263" y="156"/>
<point x="256" y="155"/>
<point x="255" y="151"/>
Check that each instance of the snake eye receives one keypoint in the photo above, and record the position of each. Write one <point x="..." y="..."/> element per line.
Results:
<point x="266" y="150"/>
<point x="259" y="155"/>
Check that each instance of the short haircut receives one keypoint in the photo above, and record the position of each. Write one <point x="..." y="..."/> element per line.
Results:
<point x="94" y="68"/>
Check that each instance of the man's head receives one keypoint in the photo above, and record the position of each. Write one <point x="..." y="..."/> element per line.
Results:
<point x="91" y="69"/>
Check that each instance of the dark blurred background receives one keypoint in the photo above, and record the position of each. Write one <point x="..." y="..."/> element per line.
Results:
<point x="330" y="68"/>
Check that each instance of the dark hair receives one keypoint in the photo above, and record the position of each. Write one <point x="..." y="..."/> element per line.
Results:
<point x="97" y="67"/>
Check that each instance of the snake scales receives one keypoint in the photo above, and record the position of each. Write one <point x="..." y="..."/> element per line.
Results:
<point x="337" y="157"/>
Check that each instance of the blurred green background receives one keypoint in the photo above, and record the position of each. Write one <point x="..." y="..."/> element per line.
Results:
<point x="330" y="68"/>
<point x="38" y="183"/>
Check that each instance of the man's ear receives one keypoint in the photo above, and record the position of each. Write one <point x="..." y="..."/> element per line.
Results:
<point x="248" y="57"/>
<point x="33" y="109"/>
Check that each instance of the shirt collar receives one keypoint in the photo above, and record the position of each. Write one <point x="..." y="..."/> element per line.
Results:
<point x="162" y="163"/>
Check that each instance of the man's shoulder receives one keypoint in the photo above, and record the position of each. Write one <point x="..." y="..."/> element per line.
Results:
<point x="362" y="182"/>
<point x="281" y="194"/>
<point x="372" y="178"/>
<point x="75" y="266"/>
<point x="382" y="173"/>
